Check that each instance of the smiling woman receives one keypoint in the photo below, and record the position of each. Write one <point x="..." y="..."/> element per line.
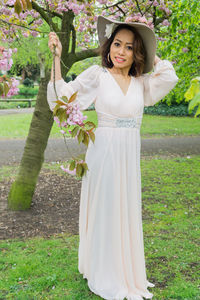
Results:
<point x="111" y="248"/>
<point x="124" y="51"/>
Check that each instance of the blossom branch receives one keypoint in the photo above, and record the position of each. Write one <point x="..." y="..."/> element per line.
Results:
<point x="44" y="15"/>
<point x="138" y="6"/>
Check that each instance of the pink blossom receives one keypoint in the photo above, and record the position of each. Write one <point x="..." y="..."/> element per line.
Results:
<point x="62" y="131"/>
<point x="57" y="121"/>
<point x="155" y="3"/>
<point x="185" y="49"/>
<point x="13" y="88"/>
<point x="102" y="1"/>
<point x="34" y="33"/>
<point x="168" y="11"/>
<point x="166" y="23"/>
<point x="67" y="170"/>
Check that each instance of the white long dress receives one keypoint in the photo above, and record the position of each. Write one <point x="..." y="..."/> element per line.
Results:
<point x="111" y="249"/>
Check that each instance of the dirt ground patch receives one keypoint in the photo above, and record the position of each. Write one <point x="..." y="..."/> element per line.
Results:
<point x="54" y="209"/>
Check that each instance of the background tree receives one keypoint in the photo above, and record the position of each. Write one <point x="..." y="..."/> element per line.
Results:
<point x="75" y="24"/>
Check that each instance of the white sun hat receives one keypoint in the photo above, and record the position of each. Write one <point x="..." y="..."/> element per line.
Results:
<point x="105" y="28"/>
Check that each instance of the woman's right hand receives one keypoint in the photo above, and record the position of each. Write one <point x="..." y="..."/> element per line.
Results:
<point x="54" y="41"/>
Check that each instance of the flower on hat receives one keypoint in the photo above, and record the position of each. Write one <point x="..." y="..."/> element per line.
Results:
<point x="139" y="19"/>
<point x="109" y="30"/>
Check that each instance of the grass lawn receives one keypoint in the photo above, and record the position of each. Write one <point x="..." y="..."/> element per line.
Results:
<point x="16" y="126"/>
<point x="39" y="268"/>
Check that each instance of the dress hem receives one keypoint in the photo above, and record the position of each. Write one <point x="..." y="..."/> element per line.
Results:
<point x="122" y="294"/>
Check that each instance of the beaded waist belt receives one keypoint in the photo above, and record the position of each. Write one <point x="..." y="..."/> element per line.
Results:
<point x="106" y="120"/>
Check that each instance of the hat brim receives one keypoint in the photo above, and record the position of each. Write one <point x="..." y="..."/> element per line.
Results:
<point x="146" y="33"/>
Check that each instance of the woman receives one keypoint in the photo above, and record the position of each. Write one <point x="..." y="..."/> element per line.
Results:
<point x="111" y="250"/>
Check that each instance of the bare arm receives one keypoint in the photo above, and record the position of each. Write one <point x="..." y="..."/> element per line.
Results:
<point x="54" y="41"/>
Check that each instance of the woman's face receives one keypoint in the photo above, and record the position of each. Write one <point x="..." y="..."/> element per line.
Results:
<point x="121" y="49"/>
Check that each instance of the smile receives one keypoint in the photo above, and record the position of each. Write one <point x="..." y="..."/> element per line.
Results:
<point x="118" y="59"/>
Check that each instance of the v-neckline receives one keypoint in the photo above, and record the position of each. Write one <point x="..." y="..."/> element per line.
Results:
<point x="118" y="83"/>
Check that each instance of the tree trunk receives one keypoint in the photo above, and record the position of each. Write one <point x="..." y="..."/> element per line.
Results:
<point x="23" y="188"/>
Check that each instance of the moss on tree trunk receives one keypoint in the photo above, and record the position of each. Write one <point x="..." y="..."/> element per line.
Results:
<point x="23" y="188"/>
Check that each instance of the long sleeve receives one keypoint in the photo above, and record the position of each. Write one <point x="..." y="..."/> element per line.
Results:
<point x="86" y="84"/>
<point x="159" y="83"/>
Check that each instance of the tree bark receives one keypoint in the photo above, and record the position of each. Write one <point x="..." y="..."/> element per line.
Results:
<point x="22" y="190"/>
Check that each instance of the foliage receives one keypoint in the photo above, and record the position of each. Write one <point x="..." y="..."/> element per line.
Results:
<point x="28" y="82"/>
<point x="180" y="44"/>
<point x="193" y="95"/>
<point x="70" y="119"/>
<point x="167" y="110"/>
<point x="175" y="24"/>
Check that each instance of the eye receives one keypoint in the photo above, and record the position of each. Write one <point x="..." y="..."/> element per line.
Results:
<point x="129" y="47"/>
<point x="117" y="44"/>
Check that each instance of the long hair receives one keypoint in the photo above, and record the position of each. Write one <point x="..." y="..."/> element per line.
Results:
<point x="139" y="51"/>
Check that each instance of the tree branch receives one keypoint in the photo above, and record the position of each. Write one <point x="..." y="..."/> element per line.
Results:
<point x="85" y="54"/>
<point x="116" y="4"/>
<point x="119" y="8"/>
<point x="138" y="6"/>
<point x="22" y="26"/>
<point x="44" y="15"/>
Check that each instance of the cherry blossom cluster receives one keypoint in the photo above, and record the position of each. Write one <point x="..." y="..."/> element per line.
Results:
<point x="5" y="65"/>
<point x="29" y="18"/>
<point x="74" y="117"/>
<point x="70" y="119"/>
<point x="86" y="12"/>
<point x="140" y="19"/>
<point x="13" y="87"/>
<point x="5" y="59"/>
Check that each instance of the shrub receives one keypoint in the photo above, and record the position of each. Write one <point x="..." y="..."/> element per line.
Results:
<point x="165" y="110"/>
<point x="28" y="82"/>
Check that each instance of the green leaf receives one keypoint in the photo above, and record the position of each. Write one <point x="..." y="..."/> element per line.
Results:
<point x="1" y="89"/>
<point x="72" y="165"/>
<point x="79" y="170"/>
<point x="55" y="109"/>
<point x="6" y="88"/>
<point x="86" y="139"/>
<point x="194" y="102"/>
<point x="74" y="131"/>
<point x="85" y="168"/>
<point x="61" y="114"/>
<point x="29" y="4"/>
<point x="197" y="112"/>
<point x="80" y="136"/>
<point x="92" y="136"/>
<point x="64" y="98"/>
<point x="81" y="156"/>
<point x="90" y="124"/>
<point x="193" y="90"/>
<point x="73" y="97"/>
<point x="18" y="7"/>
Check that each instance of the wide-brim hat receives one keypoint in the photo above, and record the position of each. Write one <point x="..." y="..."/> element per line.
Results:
<point x="105" y="28"/>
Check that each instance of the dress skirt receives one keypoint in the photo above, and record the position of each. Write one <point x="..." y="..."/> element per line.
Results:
<point x="111" y="249"/>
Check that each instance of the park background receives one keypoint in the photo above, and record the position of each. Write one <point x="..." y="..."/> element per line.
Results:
<point x="46" y="230"/>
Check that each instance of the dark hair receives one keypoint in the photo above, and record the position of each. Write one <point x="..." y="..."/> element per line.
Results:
<point x="139" y="52"/>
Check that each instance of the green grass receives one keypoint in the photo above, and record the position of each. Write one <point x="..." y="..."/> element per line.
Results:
<point x="17" y="126"/>
<point x="39" y="268"/>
